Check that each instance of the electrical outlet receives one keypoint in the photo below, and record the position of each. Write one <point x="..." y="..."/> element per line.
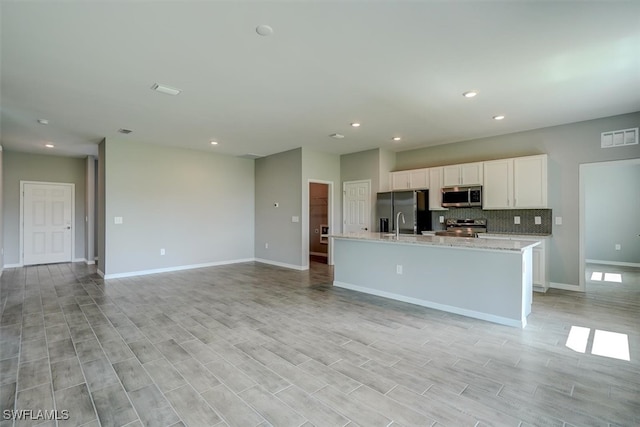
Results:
<point x="398" y="269"/>
<point x="266" y="246"/>
<point x="618" y="247"/>
<point x="162" y="251"/>
<point x="537" y="220"/>
<point x="516" y="220"/>
<point x="441" y="219"/>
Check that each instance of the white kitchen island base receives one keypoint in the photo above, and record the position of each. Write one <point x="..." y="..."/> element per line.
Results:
<point x="489" y="283"/>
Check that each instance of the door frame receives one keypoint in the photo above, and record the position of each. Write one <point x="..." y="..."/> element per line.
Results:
<point x="582" y="220"/>
<point x="72" y="186"/>
<point x="344" y="196"/>
<point x="330" y="221"/>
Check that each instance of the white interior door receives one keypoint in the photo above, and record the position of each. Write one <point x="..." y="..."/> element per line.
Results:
<point x="357" y="206"/>
<point x="47" y="218"/>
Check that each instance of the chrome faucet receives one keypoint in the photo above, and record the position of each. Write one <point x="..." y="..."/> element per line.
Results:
<point x="398" y="224"/>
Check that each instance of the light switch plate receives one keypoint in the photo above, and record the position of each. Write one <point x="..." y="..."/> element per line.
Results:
<point x="295" y="219"/>
<point x="441" y="219"/>
<point x="117" y="220"/>
<point x="537" y="220"/>
<point x="558" y="220"/>
<point x="516" y="220"/>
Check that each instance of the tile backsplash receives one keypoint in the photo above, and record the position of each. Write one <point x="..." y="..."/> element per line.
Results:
<point x="501" y="221"/>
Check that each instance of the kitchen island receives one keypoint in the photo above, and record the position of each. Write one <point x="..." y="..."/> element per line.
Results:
<point x="489" y="279"/>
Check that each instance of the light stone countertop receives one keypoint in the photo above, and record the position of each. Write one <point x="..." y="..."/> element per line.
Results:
<point x="445" y="241"/>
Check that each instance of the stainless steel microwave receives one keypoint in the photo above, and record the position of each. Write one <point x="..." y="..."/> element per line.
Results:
<point x="462" y="197"/>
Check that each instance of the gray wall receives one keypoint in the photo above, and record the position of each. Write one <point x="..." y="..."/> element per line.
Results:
<point x="34" y="167"/>
<point x="278" y="179"/>
<point x="612" y="207"/>
<point x="568" y="146"/>
<point x="321" y="167"/>
<point x="362" y="166"/>
<point x="1" y="217"/>
<point x="198" y="206"/>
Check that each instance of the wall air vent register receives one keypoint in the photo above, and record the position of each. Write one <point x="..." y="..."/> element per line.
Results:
<point x="619" y="138"/>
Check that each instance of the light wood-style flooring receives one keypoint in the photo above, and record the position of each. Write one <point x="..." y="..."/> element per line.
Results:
<point x="257" y="345"/>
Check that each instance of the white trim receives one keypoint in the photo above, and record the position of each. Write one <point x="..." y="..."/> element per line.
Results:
<point x="89" y="262"/>
<point x="100" y="273"/>
<point x="442" y="307"/>
<point x="170" y="269"/>
<point x="565" y="286"/>
<point x="618" y="263"/>
<point x="282" y="264"/>
<point x="13" y="266"/>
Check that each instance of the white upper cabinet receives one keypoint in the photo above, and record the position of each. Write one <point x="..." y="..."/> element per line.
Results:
<point x="415" y="179"/>
<point x="519" y="183"/>
<point x="436" y="176"/>
<point x="419" y="179"/>
<point x="399" y="180"/>
<point x="497" y="192"/>
<point x="465" y="174"/>
<point x="530" y="182"/>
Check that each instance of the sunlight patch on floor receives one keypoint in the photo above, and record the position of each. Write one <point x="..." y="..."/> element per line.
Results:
<point x="597" y="276"/>
<point x="605" y="343"/>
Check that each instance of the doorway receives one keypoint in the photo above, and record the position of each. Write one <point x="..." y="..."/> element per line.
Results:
<point x="609" y="244"/>
<point x="357" y="206"/>
<point x="47" y="212"/>
<point x="319" y="222"/>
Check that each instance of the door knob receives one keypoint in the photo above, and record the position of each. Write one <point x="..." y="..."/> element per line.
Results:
<point x="68" y="227"/>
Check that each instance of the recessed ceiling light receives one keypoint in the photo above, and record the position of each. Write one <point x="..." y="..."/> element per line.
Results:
<point x="264" y="30"/>
<point x="165" y="89"/>
<point x="43" y="121"/>
<point x="396" y="138"/>
<point x="49" y="145"/>
<point x="470" y="93"/>
<point x="125" y="131"/>
<point x="355" y="125"/>
<point x="498" y="117"/>
<point x="336" y="135"/>
<point x="214" y="142"/>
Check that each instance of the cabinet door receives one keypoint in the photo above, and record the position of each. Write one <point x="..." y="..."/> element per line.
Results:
<point x="530" y="182"/>
<point x="451" y="176"/>
<point x="419" y="178"/>
<point x="435" y="189"/>
<point x="399" y="180"/>
<point x="497" y="192"/>
<point x="471" y="173"/>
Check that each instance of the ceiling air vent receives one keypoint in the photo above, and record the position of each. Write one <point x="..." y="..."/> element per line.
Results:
<point x="619" y="138"/>
<point x="125" y="131"/>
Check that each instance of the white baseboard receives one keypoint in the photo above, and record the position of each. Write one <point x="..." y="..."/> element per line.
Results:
<point x="616" y="263"/>
<point x="170" y="269"/>
<point x="89" y="262"/>
<point x="100" y="273"/>
<point x="283" y="264"/>
<point x="565" y="286"/>
<point x="442" y="307"/>
<point x="12" y="266"/>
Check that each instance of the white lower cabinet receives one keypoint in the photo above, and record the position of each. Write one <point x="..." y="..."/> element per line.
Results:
<point x="540" y="277"/>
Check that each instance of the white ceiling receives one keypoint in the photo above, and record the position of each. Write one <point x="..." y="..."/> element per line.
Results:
<point x="398" y="67"/>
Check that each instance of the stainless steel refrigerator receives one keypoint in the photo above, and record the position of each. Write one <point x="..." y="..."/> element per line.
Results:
<point x="414" y="204"/>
